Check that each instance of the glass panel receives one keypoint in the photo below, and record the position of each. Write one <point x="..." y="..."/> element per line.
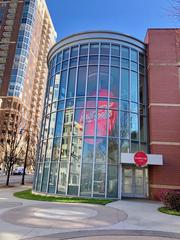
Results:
<point x="88" y="150"/>
<point x="64" y="65"/>
<point x="102" y="122"/>
<point x="114" y="103"/>
<point x="113" y="128"/>
<point x="125" y="146"/>
<point x="80" y="102"/>
<point x="143" y="147"/>
<point x="86" y="180"/>
<point x="78" y="122"/>
<point x="134" y="127"/>
<point x="141" y="69"/>
<point x="112" y="182"/>
<point x="45" y="177"/>
<point x="70" y="103"/>
<point x="115" y="61"/>
<point x="93" y="59"/>
<point x="68" y="118"/>
<point x="124" y="63"/>
<point x="142" y="89"/>
<point x="103" y="81"/>
<point x="92" y="81"/>
<point x="113" y="148"/>
<point x="53" y="177"/>
<point x="71" y="82"/>
<point x="134" y="55"/>
<point x="134" y="107"/>
<point x="125" y="52"/>
<point x="134" y="146"/>
<point x="74" y="178"/>
<point x="81" y="82"/>
<point x="141" y="58"/>
<point x="39" y="175"/>
<point x="134" y="66"/>
<point x="76" y="149"/>
<point x="124" y="105"/>
<point x="99" y="180"/>
<point x="143" y="128"/>
<point x="43" y="151"/>
<point x="60" y="105"/>
<point x="54" y="107"/>
<point x="124" y="84"/>
<point x="91" y="102"/>
<point x="104" y="60"/>
<point x="83" y="49"/>
<point x="124" y="124"/>
<point x="59" y="123"/>
<point x="82" y="60"/>
<point x="59" y="57"/>
<point x="139" y="181"/>
<point x="73" y="62"/>
<point x="128" y="180"/>
<point x="56" y="149"/>
<point x="58" y="68"/>
<point x="94" y="48"/>
<point x="105" y="48"/>
<point x="46" y="126"/>
<point x="114" y="82"/>
<point x="66" y="54"/>
<point x="90" y="117"/>
<point x="62" y="177"/>
<point x="49" y="149"/>
<point x="74" y="51"/>
<point x="65" y="148"/>
<point x="63" y="84"/>
<point x="115" y="50"/>
<point x="101" y="149"/>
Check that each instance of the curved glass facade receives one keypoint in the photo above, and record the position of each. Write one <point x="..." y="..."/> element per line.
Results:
<point x="95" y="109"/>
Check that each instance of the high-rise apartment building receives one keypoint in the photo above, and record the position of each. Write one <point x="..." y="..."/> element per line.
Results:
<point x="26" y="35"/>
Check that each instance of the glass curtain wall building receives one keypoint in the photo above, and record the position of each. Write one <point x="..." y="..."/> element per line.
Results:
<point x="95" y="110"/>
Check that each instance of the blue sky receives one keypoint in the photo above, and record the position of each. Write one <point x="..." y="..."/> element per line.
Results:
<point x="132" y="17"/>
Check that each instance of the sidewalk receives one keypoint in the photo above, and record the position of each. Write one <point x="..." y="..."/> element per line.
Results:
<point x="127" y="220"/>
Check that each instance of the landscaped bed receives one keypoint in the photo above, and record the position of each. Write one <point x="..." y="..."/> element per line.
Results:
<point x="169" y="211"/>
<point x="27" y="194"/>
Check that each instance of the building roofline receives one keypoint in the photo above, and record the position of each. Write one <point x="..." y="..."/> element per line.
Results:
<point x="92" y="32"/>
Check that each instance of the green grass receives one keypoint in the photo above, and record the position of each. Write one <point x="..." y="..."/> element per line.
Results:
<point x="168" y="211"/>
<point x="27" y="194"/>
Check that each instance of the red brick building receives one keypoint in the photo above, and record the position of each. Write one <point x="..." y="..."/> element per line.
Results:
<point x="163" y="54"/>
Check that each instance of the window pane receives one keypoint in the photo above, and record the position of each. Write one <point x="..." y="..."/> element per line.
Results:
<point x="56" y="149"/>
<point x="94" y="48"/>
<point x="92" y="81"/>
<point x="143" y="128"/>
<point x="73" y="62"/>
<point x="104" y="60"/>
<point x="134" y="66"/>
<point x="125" y="52"/>
<point x="59" y="123"/>
<point x="78" y="122"/>
<point x="74" y="51"/>
<point x="124" y="63"/>
<point x="124" y="84"/>
<point x="93" y="59"/>
<point x="112" y="188"/>
<point x="105" y="48"/>
<point x="99" y="180"/>
<point x="88" y="150"/>
<point x="102" y="122"/>
<point x="103" y="80"/>
<point x="53" y="177"/>
<point x="134" y="127"/>
<point x="63" y="85"/>
<point x="65" y="148"/>
<point x="74" y="178"/>
<point x="101" y="149"/>
<point x="79" y="102"/>
<point x="90" y="119"/>
<point x="134" y="55"/>
<point x="134" y="146"/>
<point x="124" y="124"/>
<point x="83" y="49"/>
<point x="115" y="50"/>
<point x="125" y="146"/>
<point x="71" y="82"/>
<point x="45" y="177"/>
<point x="86" y="180"/>
<point x="82" y="60"/>
<point x="114" y="82"/>
<point x="113" y="148"/>
<point x="66" y="54"/>
<point x="62" y="177"/>
<point x="52" y="125"/>
<point x="81" y="82"/>
<point x="68" y="118"/>
<point x="115" y="61"/>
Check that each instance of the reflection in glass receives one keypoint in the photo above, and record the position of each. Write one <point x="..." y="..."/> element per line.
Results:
<point x="86" y="180"/>
<point x="115" y="50"/>
<point x="56" y="149"/>
<point x="125" y="52"/>
<point x="94" y="48"/>
<point x="62" y="89"/>
<point x="113" y="150"/>
<point x="53" y="177"/>
<point x="78" y="122"/>
<point x="81" y="82"/>
<point x="99" y="180"/>
<point x="65" y="148"/>
<point x="101" y="149"/>
<point x="124" y="124"/>
<point x="84" y="49"/>
<point x="92" y="80"/>
<point x="125" y="148"/>
<point x="68" y="118"/>
<point x="112" y="188"/>
<point x="59" y="123"/>
<point x="124" y="84"/>
<point x="134" y="126"/>
<point x="71" y="82"/>
<point x="90" y="119"/>
<point x="114" y="82"/>
<point x="103" y="80"/>
<point x="62" y="177"/>
<point x="88" y="150"/>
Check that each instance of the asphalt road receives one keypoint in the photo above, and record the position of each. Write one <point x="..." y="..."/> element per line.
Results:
<point x="16" y="179"/>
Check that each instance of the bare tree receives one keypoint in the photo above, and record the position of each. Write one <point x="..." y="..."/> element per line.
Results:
<point x="12" y="147"/>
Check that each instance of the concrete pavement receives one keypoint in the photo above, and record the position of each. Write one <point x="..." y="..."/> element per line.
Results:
<point x="127" y="220"/>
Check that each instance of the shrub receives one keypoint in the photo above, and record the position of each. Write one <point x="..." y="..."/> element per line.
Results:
<point x="171" y="200"/>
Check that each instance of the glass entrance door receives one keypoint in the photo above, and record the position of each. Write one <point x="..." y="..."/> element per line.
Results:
<point x="135" y="182"/>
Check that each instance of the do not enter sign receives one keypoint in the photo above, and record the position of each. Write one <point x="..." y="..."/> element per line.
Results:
<point x="141" y="159"/>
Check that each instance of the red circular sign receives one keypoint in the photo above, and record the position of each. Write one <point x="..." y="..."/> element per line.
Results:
<point x="141" y="159"/>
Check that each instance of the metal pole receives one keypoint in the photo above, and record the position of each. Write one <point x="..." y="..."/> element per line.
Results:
<point x="25" y="160"/>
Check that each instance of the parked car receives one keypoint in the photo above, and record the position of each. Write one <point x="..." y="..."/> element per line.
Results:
<point x="18" y="171"/>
